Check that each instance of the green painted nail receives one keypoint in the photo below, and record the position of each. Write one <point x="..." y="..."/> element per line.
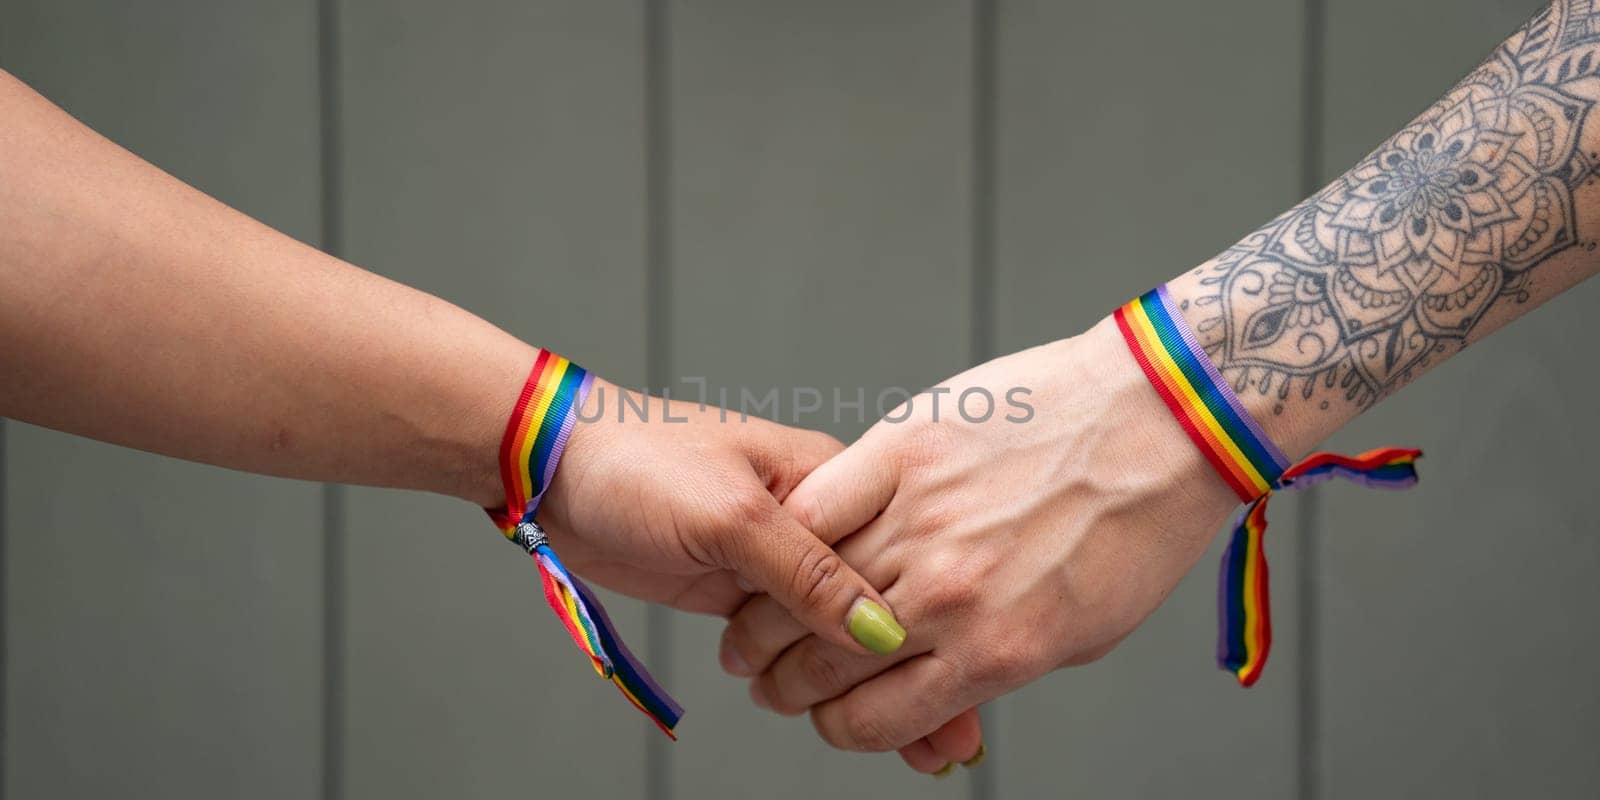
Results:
<point x="944" y="771"/>
<point x="875" y="628"/>
<point x="977" y="759"/>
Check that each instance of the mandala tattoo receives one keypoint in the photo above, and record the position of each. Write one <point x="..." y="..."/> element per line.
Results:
<point x="1389" y="269"/>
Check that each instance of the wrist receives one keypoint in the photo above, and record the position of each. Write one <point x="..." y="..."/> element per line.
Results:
<point x="537" y="423"/>
<point x="479" y="432"/>
<point x="586" y="448"/>
<point x="463" y="457"/>
<point x="1158" y="454"/>
<point x="1222" y="418"/>
<point x="1295" y="411"/>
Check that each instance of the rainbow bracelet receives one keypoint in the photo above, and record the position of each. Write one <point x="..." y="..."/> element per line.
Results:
<point x="1211" y="414"/>
<point x="535" y="436"/>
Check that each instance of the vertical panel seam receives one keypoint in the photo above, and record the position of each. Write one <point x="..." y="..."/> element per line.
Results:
<point x="983" y="179"/>
<point x="658" y="322"/>
<point x="984" y="784"/>
<point x="1308" y="719"/>
<point x="333" y="495"/>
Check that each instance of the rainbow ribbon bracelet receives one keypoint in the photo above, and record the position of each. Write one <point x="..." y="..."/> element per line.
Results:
<point x="1211" y="414"/>
<point x="535" y="436"/>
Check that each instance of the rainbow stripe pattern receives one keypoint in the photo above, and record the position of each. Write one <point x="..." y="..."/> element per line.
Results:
<point x="1243" y="612"/>
<point x="535" y="436"/>
<point x="1231" y="440"/>
<point x="1199" y="398"/>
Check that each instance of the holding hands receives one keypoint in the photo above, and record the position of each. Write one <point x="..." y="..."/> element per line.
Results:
<point x="1008" y="541"/>
<point x="665" y="502"/>
<point x="887" y="588"/>
<point x="1008" y="547"/>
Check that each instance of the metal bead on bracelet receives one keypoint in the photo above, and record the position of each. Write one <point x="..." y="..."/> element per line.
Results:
<point x="530" y="536"/>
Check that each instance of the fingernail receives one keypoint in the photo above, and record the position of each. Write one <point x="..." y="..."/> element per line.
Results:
<point x="977" y="759"/>
<point x="733" y="663"/>
<point x="875" y="628"/>
<point x="759" y="697"/>
<point x="944" y="771"/>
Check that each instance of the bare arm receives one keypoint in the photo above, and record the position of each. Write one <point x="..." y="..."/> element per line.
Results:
<point x="137" y="310"/>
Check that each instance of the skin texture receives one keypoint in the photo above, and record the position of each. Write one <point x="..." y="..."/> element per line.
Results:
<point x="220" y="338"/>
<point x="138" y="311"/>
<point x="1010" y="551"/>
<point x="682" y="508"/>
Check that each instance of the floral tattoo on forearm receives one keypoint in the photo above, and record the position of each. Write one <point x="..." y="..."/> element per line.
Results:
<point x="1355" y="291"/>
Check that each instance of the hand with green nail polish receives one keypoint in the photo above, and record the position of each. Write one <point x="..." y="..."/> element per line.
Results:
<point x="680" y="505"/>
<point x="1008" y="547"/>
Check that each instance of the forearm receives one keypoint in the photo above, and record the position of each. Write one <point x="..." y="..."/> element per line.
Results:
<point x="136" y="310"/>
<point x="1475" y="213"/>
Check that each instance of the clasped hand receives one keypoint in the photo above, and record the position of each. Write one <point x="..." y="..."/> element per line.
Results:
<point x="1005" y="549"/>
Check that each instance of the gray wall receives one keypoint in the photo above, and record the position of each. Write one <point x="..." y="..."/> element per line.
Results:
<point x="872" y="194"/>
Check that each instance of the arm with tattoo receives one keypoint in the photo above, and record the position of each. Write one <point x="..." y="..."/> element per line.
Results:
<point x="1479" y="210"/>
<point x="1011" y="550"/>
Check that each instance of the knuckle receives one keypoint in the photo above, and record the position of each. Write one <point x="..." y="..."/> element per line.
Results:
<point x="811" y="512"/>
<point x="736" y="634"/>
<point x="825" y="442"/>
<point x="818" y="669"/>
<point x="958" y="588"/>
<point x="777" y="693"/>
<point x="934" y="519"/>
<point x="943" y="561"/>
<point x="1007" y="666"/>
<point x="947" y="599"/>
<point x="862" y="731"/>
<point x="816" y="577"/>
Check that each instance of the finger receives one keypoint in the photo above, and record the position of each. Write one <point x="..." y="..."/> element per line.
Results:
<point x="778" y="555"/>
<point x="842" y="495"/>
<point x="805" y="451"/>
<point x="959" y="741"/>
<point x="814" y="671"/>
<point x="755" y="635"/>
<point x="919" y="755"/>
<point x="896" y="708"/>
<point x="763" y="628"/>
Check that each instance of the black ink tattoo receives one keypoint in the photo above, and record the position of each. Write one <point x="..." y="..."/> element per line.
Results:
<point x="1387" y="270"/>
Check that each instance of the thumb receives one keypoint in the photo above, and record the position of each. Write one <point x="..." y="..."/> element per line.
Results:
<point x="791" y="558"/>
<point x="783" y="558"/>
